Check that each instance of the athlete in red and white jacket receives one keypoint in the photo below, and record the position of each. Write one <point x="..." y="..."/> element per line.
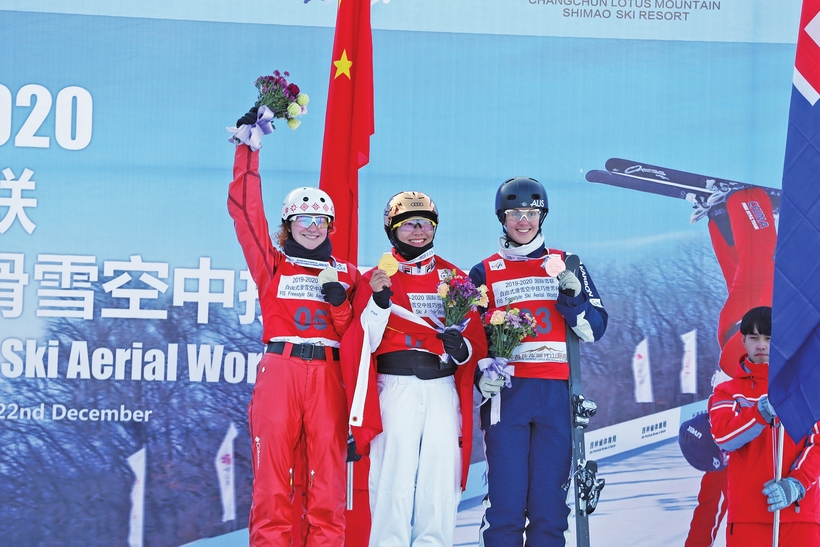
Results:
<point x="298" y="396"/>
<point x="743" y="424"/>
<point x="410" y="385"/>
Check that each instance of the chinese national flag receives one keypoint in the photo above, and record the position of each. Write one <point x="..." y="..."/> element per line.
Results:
<point x="349" y="122"/>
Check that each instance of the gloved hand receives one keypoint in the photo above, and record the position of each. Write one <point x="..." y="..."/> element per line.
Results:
<point x="382" y="298"/>
<point x="334" y="293"/>
<point x="490" y="388"/>
<point x="780" y="494"/>
<point x="249" y="118"/>
<point x="454" y="344"/>
<point x="568" y="283"/>
<point x="352" y="456"/>
<point x="766" y="409"/>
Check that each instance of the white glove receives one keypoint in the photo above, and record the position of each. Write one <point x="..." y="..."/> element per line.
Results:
<point x="490" y="388"/>
<point x="568" y="283"/>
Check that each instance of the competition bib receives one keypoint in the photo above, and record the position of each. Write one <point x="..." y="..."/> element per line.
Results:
<point x="524" y="289"/>
<point x="299" y="287"/>
<point x="424" y="304"/>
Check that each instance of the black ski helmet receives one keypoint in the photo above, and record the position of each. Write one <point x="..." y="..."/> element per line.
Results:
<point x="521" y="192"/>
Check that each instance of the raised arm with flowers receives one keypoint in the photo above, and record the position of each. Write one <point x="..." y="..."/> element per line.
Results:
<point x="304" y="295"/>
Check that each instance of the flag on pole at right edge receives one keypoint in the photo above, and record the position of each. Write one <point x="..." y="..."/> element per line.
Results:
<point x="348" y="122"/>
<point x="689" y="363"/>
<point x="794" y="361"/>
<point x="642" y="374"/>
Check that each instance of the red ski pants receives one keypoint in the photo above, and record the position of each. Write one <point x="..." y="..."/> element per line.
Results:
<point x="296" y="399"/>
<point x="747" y="264"/>
<point x="710" y="510"/>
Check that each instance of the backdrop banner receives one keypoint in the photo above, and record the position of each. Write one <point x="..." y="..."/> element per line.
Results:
<point x="129" y="325"/>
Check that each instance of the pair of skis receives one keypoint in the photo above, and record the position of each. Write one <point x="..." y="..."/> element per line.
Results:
<point x="584" y="473"/>
<point x="670" y="182"/>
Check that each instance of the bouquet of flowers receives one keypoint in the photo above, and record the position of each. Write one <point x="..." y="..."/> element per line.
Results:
<point x="460" y="296"/>
<point x="284" y="99"/>
<point x="507" y="328"/>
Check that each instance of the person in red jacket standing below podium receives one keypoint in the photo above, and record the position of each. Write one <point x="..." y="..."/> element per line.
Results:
<point x="744" y="423"/>
<point x="298" y="397"/>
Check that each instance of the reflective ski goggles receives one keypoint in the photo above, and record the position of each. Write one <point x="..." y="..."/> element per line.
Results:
<point x="530" y="215"/>
<point x="304" y="221"/>
<point x="410" y="224"/>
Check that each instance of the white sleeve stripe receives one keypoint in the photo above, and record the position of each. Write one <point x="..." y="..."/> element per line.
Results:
<point x="737" y="431"/>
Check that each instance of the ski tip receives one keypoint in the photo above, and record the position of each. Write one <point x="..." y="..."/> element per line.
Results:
<point x="615" y="165"/>
<point x="596" y="175"/>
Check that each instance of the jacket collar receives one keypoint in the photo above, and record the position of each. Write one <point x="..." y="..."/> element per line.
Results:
<point x="747" y="369"/>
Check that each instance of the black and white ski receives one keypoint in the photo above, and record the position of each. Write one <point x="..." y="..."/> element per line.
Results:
<point x="669" y="182"/>
<point x="587" y="485"/>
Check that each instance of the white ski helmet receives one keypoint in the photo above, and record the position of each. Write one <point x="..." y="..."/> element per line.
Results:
<point x="307" y="201"/>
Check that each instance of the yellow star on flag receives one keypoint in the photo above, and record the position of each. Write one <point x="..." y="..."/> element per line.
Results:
<point x="343" y="65"/>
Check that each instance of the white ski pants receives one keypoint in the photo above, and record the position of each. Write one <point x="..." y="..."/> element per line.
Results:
<point x="415" y="463"/>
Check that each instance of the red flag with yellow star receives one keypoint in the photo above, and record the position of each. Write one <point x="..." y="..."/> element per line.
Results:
<point x="348" y="122"/>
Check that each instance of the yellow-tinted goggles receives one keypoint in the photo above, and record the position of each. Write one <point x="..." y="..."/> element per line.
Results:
<point x="410" y="224"/>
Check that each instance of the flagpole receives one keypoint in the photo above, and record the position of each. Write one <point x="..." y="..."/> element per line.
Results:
<point x="778" y="474"/>
<point x="349" y="504"/>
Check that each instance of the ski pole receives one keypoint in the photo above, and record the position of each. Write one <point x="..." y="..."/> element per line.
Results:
<point x="352" y="457"/>
<point x="778" y="474"/>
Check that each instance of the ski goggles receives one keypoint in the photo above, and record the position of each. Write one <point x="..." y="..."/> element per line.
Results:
<point x="410" y="225"/>
<point x="304" y="221"/>
<point x="530" y="215"/>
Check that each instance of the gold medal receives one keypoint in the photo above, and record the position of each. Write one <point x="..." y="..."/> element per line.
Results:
<point x="328" y="275"/>
<point x="554" y="266"/>
<point x="388" y="264"/>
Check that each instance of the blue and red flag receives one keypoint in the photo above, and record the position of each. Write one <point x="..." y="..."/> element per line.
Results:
<point x="794" y="362"/>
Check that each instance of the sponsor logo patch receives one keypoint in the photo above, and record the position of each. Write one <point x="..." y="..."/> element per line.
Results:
<point x="497" y="265"/>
